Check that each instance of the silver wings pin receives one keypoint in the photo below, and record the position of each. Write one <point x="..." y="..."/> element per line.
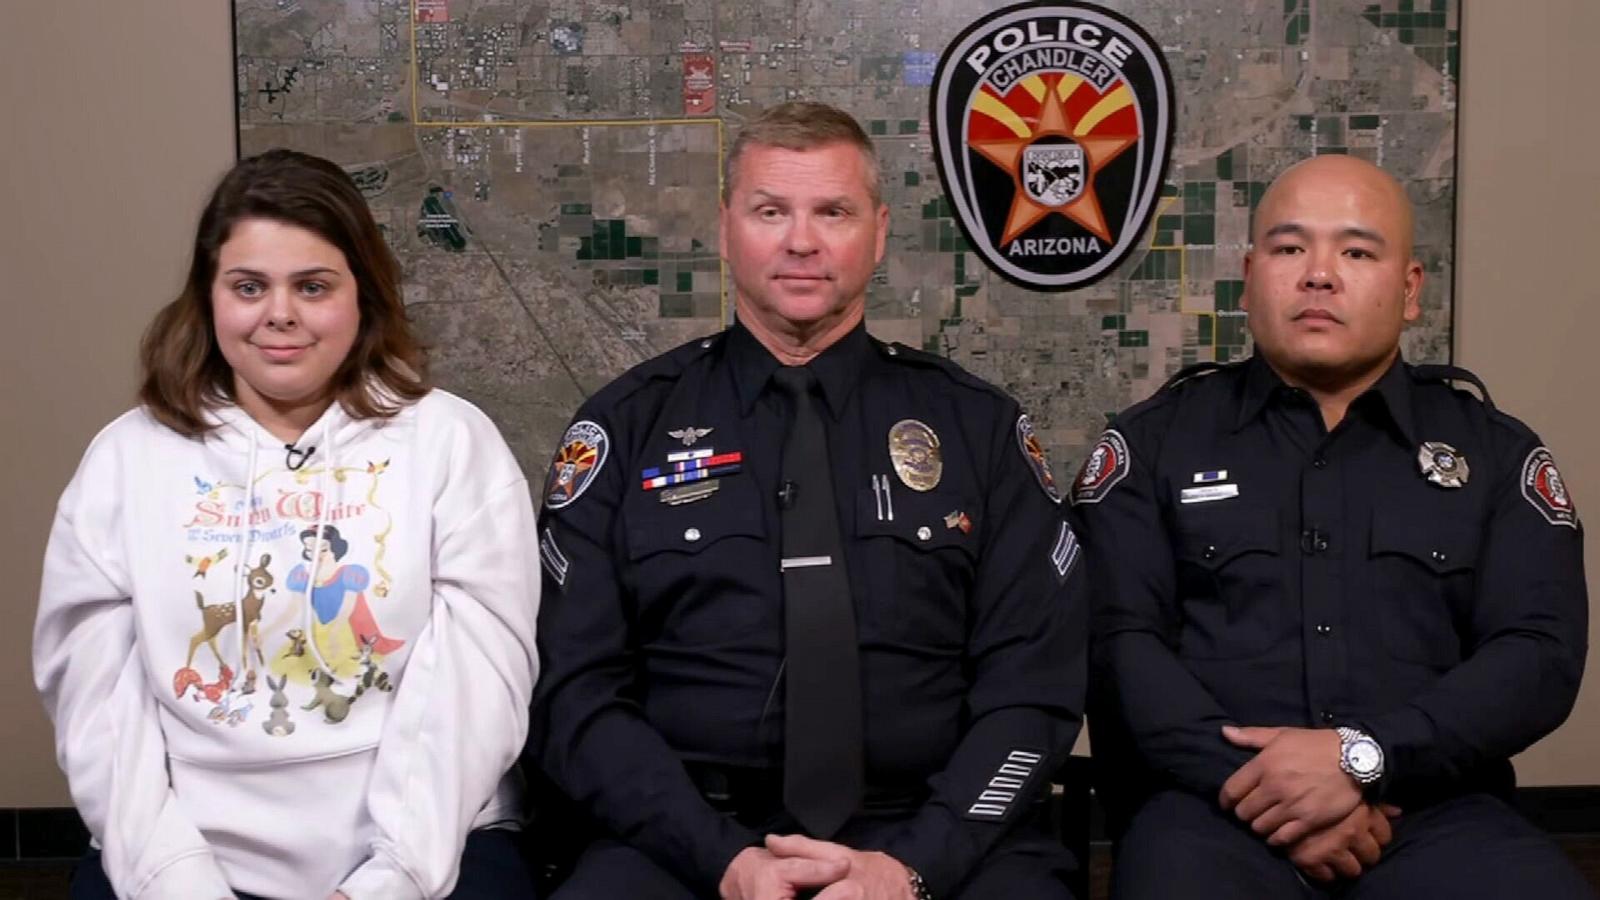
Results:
<point x="689" y="435"/>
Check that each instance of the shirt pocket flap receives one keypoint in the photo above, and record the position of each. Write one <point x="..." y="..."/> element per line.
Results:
<point x="690" y="528"/>
<point x="1435" y="541"/>
<point x="1212" y="538"/>
<point x="926" y="520"/>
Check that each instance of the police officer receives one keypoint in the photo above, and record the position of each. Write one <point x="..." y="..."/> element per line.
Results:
<point x="1334" y="594"/>
<point x="814" y="616"/>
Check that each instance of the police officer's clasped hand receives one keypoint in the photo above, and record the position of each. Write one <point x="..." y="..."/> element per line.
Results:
<point x="869" y="875"/>
<point x="1293" y="786"/>
<point x="757" y="874"/>
<point x="1348" y="847"/>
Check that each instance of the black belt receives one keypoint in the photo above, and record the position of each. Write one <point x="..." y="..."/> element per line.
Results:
<point x="755" y="795"/>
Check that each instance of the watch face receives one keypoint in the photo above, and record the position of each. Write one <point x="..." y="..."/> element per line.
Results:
<point x="1364" y="756"/>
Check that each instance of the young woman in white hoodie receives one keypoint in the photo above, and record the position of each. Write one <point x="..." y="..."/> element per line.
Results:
<point x="286" y="627"/>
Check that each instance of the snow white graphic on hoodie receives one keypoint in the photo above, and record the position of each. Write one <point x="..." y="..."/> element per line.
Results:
<point x="321" y="648"/>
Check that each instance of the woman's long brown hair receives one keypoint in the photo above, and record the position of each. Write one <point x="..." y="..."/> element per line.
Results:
<point x="184" y="372"/>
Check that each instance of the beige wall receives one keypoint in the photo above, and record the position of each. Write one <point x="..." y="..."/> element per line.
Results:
<point x="116" y="118"/>
<point x="1528" y="228"/>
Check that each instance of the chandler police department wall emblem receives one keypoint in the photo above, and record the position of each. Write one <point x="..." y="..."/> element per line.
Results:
<point x="578" y="460"/>
<point x="1052" y="128"/>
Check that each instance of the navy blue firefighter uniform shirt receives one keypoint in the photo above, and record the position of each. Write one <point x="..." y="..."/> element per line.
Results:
<point x="1416" y="572"/>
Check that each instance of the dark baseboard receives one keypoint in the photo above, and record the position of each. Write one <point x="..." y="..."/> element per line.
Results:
<point x="56" y="833"/>
<point x="1562" y="810"/>
<point x="41" y="833"/>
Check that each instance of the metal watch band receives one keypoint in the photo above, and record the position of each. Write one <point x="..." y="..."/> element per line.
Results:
<point x="919" y="888"/>
<point x="1347" y="737"/>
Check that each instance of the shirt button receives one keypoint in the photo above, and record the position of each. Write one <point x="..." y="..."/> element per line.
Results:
<point x="892" y="350"/>
<point x="1320" y="462"/>
<point x="692" y="534"/>
<point x="1327" y="717"/>
<point x="705" y="344"/>
<point x="1324" y="629"/>
<point x="924" y="533"/>
<point x="1210" y="552"/>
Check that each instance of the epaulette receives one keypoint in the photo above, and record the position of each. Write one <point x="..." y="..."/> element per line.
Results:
<point x="662" y="367"/>
<point x="700" y="345"/>
<point x="1164" y="397"/>
<point x="1197" y="370"/>
<point x="1447" y="373"/>
<point x="894" y="350"/>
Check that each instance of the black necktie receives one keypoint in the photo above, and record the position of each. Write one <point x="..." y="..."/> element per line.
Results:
<point x="822" y="724"/>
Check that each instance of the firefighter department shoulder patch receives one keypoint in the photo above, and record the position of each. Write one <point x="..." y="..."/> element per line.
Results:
<point x="1107" y="464"/>
<point x="1544" y="489"/>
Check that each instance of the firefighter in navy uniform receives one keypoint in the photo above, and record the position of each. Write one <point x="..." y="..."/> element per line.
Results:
<point x="751" y="703"/>
<point x="1333" y="593"/>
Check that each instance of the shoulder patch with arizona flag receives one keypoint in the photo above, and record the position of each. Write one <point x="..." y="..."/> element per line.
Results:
<point x="1033" y="453"/>
<point x="578" y="460"/>
<point x="1543" y="488"/>
<point x="1108" y="463"/>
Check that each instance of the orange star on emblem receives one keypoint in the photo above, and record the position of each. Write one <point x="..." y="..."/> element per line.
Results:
<point x="572" y="461"/>
<point x="1036" y="450"/>
<point x="1053" y="121"/>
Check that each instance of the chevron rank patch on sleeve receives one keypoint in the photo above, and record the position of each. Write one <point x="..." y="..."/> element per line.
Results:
<point x="1065" y="552"/>
<point x="555" y="564"/>
<point x="999" y="796"/>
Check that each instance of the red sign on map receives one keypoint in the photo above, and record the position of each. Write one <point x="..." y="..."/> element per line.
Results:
<point x="699" y="84"/>
<point x="433" y="11"/>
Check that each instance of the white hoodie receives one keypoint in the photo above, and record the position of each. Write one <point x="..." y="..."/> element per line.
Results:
<point x="182" y="661"/>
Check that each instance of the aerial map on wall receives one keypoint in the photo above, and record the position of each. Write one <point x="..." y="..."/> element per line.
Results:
<point x="548" y="174"/>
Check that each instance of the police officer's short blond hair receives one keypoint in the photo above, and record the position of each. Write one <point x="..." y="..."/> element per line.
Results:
<point x="803" y="125"/>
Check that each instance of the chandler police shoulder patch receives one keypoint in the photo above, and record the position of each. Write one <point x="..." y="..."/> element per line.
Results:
<point x="1033" y="454"/>
<point x="1543" y="488"/>
<point x="1108" y="463"/>
<point x="578" y="460"/>
<point x="1052" y="128"/>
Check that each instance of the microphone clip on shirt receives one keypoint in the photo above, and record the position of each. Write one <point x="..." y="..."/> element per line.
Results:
<point x="294" y="457"/>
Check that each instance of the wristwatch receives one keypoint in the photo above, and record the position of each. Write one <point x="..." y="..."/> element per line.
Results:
<point x="1360" y="757"/>
<point x="919" y="888"/>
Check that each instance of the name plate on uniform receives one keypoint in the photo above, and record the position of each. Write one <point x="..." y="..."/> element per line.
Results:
<point x="1208" y="493"/>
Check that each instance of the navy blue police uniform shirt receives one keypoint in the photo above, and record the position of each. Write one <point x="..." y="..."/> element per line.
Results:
<point x="661" y="627"/>
<point x="1417" y="572"/>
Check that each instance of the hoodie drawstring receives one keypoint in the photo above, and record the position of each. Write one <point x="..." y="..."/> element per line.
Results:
<point x="323" y="484"/>
<point x="240" y="568"/>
